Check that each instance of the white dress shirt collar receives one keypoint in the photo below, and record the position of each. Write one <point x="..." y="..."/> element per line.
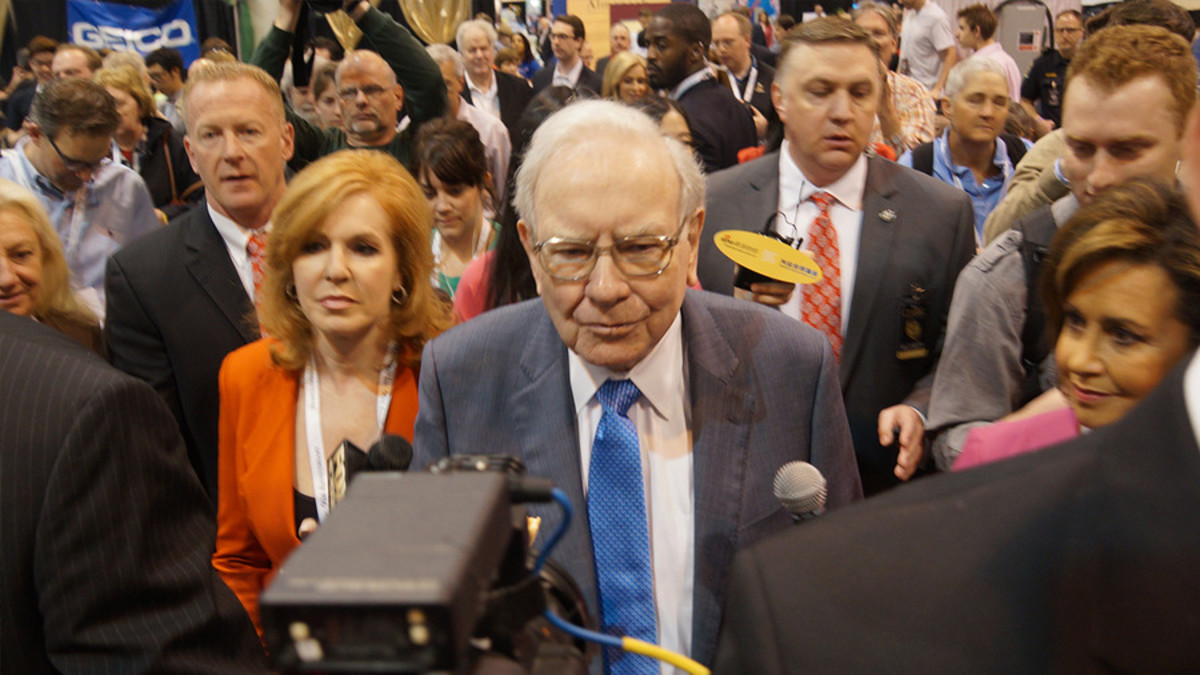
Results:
<point x="658" y="375"/>
<point x="848" y="189"/>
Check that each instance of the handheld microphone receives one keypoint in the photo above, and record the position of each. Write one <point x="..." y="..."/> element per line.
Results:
<point x="801" y="489"/>
<point x="390" y="453"/>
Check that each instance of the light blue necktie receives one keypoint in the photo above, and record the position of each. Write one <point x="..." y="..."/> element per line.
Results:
<point x="620" y="536"/>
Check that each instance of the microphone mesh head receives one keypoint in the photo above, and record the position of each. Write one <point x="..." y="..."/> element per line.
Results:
<point x="800" y="487"/>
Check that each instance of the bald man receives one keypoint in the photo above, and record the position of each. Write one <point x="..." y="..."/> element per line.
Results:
<point x="372" y="86"/>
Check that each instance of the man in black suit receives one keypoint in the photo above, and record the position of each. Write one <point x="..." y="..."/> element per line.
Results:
<point x="749" y="78"/>
<point x="107" y="533"/>
<point x="678" y="40"/>
<point x="499" y="94"/>
<point x="901" y="239"/>
<point x="1076" y="558"/>
<point x="566" y="39"/>
<point x="182" y="297"/>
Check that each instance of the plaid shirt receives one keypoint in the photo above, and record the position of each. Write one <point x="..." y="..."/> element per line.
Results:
<point x="914" y="111"/>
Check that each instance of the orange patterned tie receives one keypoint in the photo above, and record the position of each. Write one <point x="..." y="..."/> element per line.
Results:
<point x="256" y="248"/>
<point x="823" y="300"/>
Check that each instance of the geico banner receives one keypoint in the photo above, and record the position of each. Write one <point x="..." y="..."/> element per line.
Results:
<point x="139" y="29"/>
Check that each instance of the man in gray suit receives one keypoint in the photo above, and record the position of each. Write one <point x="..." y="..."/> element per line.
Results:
<point x="726" y="392"/>
<point x="901" y="239"/>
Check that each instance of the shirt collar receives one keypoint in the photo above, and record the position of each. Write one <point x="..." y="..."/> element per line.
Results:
<point x="999" y="156"/>
<point x="572" y="74"/>
<point x="483" y="92"/>
<point x="848" y="189"/>
<point x="658" y="376"/>
<point x="690" y="81"/>
<point x="234" y="235"/>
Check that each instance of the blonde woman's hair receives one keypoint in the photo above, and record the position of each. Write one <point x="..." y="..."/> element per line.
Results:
<point x="55" y="301"/>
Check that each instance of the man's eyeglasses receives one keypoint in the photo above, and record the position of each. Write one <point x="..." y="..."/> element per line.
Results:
<point x="643" y="255"/>
<point x="348" y="94"/>
<point x="1067" y="29"/>
<point x="76" y="165"/>
<point x="561" y="36"/>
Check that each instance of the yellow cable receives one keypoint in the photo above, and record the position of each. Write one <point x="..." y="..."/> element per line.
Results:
<point x="654" y="651"/>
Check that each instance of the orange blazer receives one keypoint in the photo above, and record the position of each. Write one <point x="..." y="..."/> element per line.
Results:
<point x="256" y="524"/>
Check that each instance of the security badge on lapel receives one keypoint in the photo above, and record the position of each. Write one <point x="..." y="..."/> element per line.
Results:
<point x="913" y="310"/>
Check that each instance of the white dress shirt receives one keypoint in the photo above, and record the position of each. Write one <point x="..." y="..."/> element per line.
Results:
<point x="488" y="99"/>
<point x="236" y="237"/>
<point x="496" y="145"/>
<point x="569" y="78"/>
<point x="662" y="416"/>
<point x="795" y="207"/>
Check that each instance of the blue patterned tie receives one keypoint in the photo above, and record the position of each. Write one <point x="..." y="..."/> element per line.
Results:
<point x="620" y="537"/>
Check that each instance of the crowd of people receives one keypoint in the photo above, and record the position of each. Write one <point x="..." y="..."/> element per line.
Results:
<point x="247" y="276"/>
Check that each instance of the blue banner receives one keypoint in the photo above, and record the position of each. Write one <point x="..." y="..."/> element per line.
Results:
<point x="121" y="27"/>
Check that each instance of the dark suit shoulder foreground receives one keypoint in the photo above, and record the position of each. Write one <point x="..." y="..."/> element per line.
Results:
<point x="1077" y="558"/>
<point x="107" y="532"/>
<point x="763" y="391"/>
<point x="721" y="124"/>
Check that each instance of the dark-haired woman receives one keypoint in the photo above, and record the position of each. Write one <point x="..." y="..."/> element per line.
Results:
<point x="451" y="167"/>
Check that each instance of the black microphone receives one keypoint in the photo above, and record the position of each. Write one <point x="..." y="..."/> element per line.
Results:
<point x="390" y="453"/>
<point x="800" y="488"/>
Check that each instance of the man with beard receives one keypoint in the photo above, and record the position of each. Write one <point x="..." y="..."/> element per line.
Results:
<point x="678" y="40"/>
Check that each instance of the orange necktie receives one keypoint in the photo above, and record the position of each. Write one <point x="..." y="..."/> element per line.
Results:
<point x="823" y="300"/>
<point x="256" y="248"/>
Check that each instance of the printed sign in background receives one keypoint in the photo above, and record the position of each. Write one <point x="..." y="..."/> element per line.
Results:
<point x="120" y="27"/>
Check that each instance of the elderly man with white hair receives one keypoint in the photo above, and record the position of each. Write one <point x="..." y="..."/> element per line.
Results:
<point x="491" y="130"/>
<point x="662" y="412"/>
<point x="499" y="94"/>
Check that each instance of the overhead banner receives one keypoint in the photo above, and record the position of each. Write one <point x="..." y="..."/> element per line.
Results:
<point x="119" y="27"/>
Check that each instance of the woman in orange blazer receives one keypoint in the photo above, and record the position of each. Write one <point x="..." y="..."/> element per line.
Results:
<point x="348" y="300"/>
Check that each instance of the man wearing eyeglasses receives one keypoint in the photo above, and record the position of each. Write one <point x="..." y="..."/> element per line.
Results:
<point x="662" y="412"/>
<point x="96" y="206"/>
<point x="567" y="36"/>
<point x="373" y="86"/>
<point x="1042" y="89"/>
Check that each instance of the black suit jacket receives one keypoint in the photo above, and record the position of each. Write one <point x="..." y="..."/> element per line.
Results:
<point x="107" y="535"/>
<point x="721" y="124"/>
<point x="1077" y="558"/>
<point x="176" y="307"/>
<point x="916" y="231"/>
<point x="588" y="79"/>
<point x="513" y="94"/>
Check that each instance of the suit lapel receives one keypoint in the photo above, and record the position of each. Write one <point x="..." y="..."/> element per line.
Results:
<point x="722" y="409"/>
<point x="209" y="264"/>
<point x="879" y="218"/>
<point x="544" y="422"/>
<point x="764" y="183"/>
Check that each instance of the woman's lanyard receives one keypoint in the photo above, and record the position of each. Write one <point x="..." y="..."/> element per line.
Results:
<point x="312" y="423"/>
<point x="78" y="210"/>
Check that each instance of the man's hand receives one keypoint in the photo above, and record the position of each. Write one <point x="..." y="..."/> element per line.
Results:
<point x="911" y="438"/>
<point x="288" y="15"/>
<point x="769" y="293"/>
<point x="760" y="123"/>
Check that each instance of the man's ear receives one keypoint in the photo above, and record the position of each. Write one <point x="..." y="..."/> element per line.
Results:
<point x="777" y="101"/>
<point x="527" y="235"/>
<point x="32" y="129"/>
<point x="694" y="230"/>
<point x="399" y="98"/>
